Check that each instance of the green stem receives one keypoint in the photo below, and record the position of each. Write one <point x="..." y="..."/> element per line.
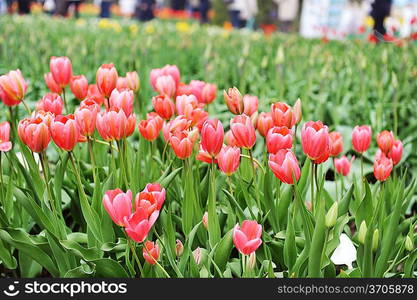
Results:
<point x="26" y="107"/>
<point x="43" y="160"/>
<point x="93" y="161"/>
<point x="1" y="182"/>
<point x="64" y="96"/>
<point x="135" y="256"/>
<point x="312" y="187"/>
<point x="254" y="181"/>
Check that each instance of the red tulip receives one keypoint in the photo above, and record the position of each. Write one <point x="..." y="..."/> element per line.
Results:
<point x="106" y="78"/>
<point x="315" y="140"/>
<point x="12" y="88"/>
<point x="234" y="101"/>
<point x="94" y="94"/>
<point x="204" y="156"/>
<point x="264" y="123"/>
<point x="248" y="238"/>
<point x="243" y="131"/>
<point x="5" y="144"/>
<point x="250" y="104"/>
<point x="61" y="69"/>
<point x="284" y="165"/>
<point x="118" y="205"/>
<point x="122" y="100"/>
<point x="396" y="152"/>
<point x="361" y="138"/>
<point x="336" y="143"/>
<point x="137" y="226"/>
<point x="198" y="117"/>
<point x="65" y="132"/>
<point x="282" y="115"/>
<point x="79" y="87"/>
<point x="163" y="106"/>
<point x="182" y="142"/>
<point x="51" y="84"/>
<point x="230" y="139"/>
<point x="278" y="138"/>
<point x="165" y="85"/>
<point x="52" y="103"/>
<point x="209" y="93"/>
<point x="180" y="123"/>
<point x="151" y="198"/>
<point x="86" y="117"/>
<point x="343" y="164"/>
<point x="149" y="129"/>
<point x="212" y="135"/>
<point x="385" y="140"/>
<point x="150" y="252"/>
<point x="114" y="125"/>
<point x="382" y="168"/>
<point x="228" y="159"/>
<point x="34" y="133"/>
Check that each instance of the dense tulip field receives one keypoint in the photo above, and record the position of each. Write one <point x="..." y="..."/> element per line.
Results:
<point x="172" y="150"/>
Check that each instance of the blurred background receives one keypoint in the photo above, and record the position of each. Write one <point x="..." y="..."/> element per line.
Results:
<point x="326" y="19"/>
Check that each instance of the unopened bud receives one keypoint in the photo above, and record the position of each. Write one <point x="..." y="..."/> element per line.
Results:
<point x="197" y="255"/>
<point x="205" y="220"/>
<point x="179" y="248"/>
<point x="375" y="240"/>
<point x="331" y="215"/>
<point x="362" y="232"/>
<point x="409" y="245"/>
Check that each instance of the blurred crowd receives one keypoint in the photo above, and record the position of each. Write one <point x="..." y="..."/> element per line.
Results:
<point x="238" y="13"/>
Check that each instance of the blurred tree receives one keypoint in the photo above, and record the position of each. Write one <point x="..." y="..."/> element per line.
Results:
<point x="220" y="12"/>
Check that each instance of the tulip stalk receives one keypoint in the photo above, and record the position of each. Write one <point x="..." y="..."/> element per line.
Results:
<point x="93" y="161"/>
<point x="44" y="163"/>
<point x="64" y="97"/>
<point x="254" y="181"/>
<point x="1" y="179"/>
<point x="134" y="254"/>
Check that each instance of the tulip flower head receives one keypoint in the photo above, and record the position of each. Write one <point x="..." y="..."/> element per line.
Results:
<point x="12" y="88"/>
<point x="79" y="87"/>
<point x="115" y="125"/>
<point x="208" y="94"/>
<point x="186" y="104"/>
<point x="212" y="136"/>
<point x="106" y="78"/>
<point x="396" y="152"/>
<point x="361" y="138"/>
<point x="385" y="141"/>
<point x="151" y="198"/>
<point x="5" y="144"/>
<point x="65" y="132"/>
<point x="228" y="159"/>
<point x="282" y="115"/>
<point x="250" y="104"/>
<point x="86" y="116"/>
<point x="165" y="85"/>
<point x="163" y="106"/>
<point x="284" y="165"/>
<point x="264" y="123"/>
<point x="122" y="100"/>
<point x="342" y="165"/>
<point x="138" y="225"/>
<point x="170" y="70"/>
<point x="179" y="248"/>
<point x="150" y="128"/>
<point x="133" y="81"/>
<point x="34" y="133"/>
<point x="278" y="138"/>
<point x="205" y="220"/>
<point x="315" y="141"/>
<point x="51" y="84"/>
<point x="248" y="237"/>
<point x="52" y="103"/>
<point x="243" y="131"/>
<point x="61" y="69"/>
<point x="94" y="94"/>
<point x="382" y="168"/>
<point x="336" y="143"/>
<point x="234" y="101"/>
<point x="182" y="142"/>
<point x="151" y="252"/>
<point x="297" y="110"/>
<point x="118" y="205"/>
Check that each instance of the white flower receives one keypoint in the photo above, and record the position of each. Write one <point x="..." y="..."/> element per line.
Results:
<point x="345" y="253"/>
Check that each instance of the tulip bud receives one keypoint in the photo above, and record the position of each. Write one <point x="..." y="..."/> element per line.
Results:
<point x="197" y="255"/>
<point x="205" y="220"/>
<point x="251" y="261"/>
<point x="375" y="240"/>
<point x="179" y="248"/>
<point x="409" y="245"/>
<point x="331" y="215"/>
<point x="362" y="232"/>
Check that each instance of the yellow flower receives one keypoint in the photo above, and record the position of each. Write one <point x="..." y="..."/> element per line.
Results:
<point x="182" y="27"/>
<point x="103" y="23"/>
<point x="149" y="29"/>
<point x="134" y="28"/>
<point x="80" y="22"/>
<point x="369" y="21"/>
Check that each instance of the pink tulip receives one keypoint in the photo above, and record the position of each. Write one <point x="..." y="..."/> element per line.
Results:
<point x="396" y="152"/>
<point x="133" y="81"/>
<point x="180" y="123"/>
<point x="204" y="156"/>
<point x="197" y="87"/>
<point x="12" y="88"/>
<point x="137" y="226"/>
<point x="86" y="117"/>
<point x="230" y="139"/>
<point x="361" y="138"/>
<point x="79" y="87"/>
<point x="52" y="103"/>
<point x="34" y="133"/>
<point x="149" y="129"/>
<point x="106" y="78"/>
<point x="114" y="125"/>
<point x="165" y="71"/>
<point x="282" y="115"/>
<point x="315" y="140"/>
<point x="248" y="238"/>
<point x="122" y="100"/>
<point x="51" y="84"/>
<point x="204" y="220"/>
<point x="94" y="94"/>
<point x="122" y="84"/>
<point x="284" y="165"/>
<point x="243" y="131"/>
<point x="165" y="85"/>
<point x="297" y="111"/>
<point x="198" y="117"/>
<point x="61" y="69"/>
<point x="65" y="132"/>
<point x="212" y="135"/>
<point x="343" y="164"/>
<point x="382" y="168"/>
<point x="182" y="142"/>
<point x="118" y="205"/>
<point x="264" y="123"/>
<point x="164" y="106"/>
<point x="228" y="159"/>
<point x="186" y="104"/>
<point x="385" y="140"/>
<point x="151" y="198"/>
<point x="336" y="143"/>
<point x="179" y="248"/>
<point x="5" y="144"/>
<point x="208" y="94"/>
<point x="278" y="138"/>
<point x="234" y="101"/>
<point x="250" y="104"/>
<point x="150" y="252"/>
